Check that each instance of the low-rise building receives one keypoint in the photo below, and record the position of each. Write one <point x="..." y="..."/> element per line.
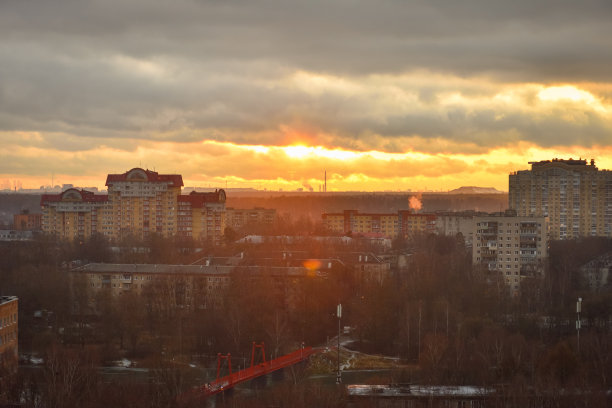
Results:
<point x="237" y="218"/>
<point x="9" y="332"/>
<point x="26" y="221"/>
<point x="185" y="286"/>
<point x="597" y="271"/>
<point x="403" y="223"/>
<point x="14" y="235"/>
<point x="516" y="247"/>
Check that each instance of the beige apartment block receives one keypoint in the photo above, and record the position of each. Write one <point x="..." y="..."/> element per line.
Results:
<point x="403" y="223"/>
<point x="142" y="202"/>
<point x="456" y="223"/>
<point x="515" y="247"/>
<point x="74" y="214"/>
<point x="202" y="215"/>
<point x="239" y="218"/>
<point x="139" y="203"/>
<point x="575" y="196"/>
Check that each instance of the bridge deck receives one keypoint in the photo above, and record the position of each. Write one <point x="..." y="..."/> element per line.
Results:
<point x="250" y="373"/>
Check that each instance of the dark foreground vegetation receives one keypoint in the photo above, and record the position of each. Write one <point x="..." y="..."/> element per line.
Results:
<point x="446" y="322"/>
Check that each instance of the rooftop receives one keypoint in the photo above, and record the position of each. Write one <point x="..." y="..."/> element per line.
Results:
<point x="138" y="174"/>
<point x="7" y="299"/>
<point x="418" y="391"/>
<point x="569" y="162"/>
<point x="164" y="269"/>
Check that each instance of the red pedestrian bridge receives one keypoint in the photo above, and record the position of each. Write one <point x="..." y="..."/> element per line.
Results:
<point x="254" y="371"/>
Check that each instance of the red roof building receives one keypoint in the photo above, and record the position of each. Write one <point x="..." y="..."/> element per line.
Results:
<point x="139" y="202"/>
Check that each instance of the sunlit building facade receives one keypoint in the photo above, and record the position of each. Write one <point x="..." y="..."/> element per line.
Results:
<point x="514" y="246"/>
<point x="575" y="196"/>
<point x="403" y="223"/>
<point x="202" y="215"/>
<point x="139" y="202"/>
<point x="75" y="214"/>
<point x="237" y="218"/>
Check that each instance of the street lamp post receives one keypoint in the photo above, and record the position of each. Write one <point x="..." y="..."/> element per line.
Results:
<point x="578" y="323"/>
<point x="339" y="314"/>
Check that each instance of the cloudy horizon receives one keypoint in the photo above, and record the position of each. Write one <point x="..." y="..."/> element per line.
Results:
<point x="386" y="95"/>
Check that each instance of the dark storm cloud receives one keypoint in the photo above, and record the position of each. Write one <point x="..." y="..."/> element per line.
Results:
<point x="189" y="70"/>
<point x="517" y="39"/>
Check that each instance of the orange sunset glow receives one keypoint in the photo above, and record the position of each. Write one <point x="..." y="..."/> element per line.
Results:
<point x="297" y="166"/>
<point x="247" y="115"/>
<point x="305" y="203"/>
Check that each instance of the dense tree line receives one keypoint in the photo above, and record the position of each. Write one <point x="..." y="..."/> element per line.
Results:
<point x="457" y="324"/>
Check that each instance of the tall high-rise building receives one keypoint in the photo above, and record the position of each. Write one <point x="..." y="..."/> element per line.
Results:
<point x="575" y="196"/>
<point x="143" y="201"/>
<point x="139" y="202"/>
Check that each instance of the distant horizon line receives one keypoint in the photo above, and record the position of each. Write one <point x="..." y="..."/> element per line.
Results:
<point x="58" y="189"/>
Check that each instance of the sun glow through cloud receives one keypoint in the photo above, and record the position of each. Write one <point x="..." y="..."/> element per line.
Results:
<point x="221" y="164"/>
<point x="431" y="96"/>
<point x="566" y="92"/>
<point x="303" y="152"/>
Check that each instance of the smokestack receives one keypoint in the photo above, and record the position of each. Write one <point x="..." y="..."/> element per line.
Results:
<point x="325" y="189"/>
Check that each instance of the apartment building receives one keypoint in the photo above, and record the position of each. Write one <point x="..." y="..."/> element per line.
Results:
<point x="9" y="331"/>
<point x="75" y="214"/>
<point x="139" y="202"/>
<point x="455" y="223"/>
<point x="404" y="223"/>
<point x="412" y="223"/>
<point x="239" y="218"/>
<point x="575" y="196"/>
<point x="516" y="247"/>
<point x="202" y="215"/>
<point x="185" y="286"/>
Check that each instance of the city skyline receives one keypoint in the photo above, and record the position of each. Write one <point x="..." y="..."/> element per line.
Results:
<point x="385" y="96"/>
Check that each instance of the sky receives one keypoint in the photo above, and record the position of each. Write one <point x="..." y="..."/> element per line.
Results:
<point x="383" y="95"/>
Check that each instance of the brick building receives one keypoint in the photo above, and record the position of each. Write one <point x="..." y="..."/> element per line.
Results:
<point x="9" y="331"/>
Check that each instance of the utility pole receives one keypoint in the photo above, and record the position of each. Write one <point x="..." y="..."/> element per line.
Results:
<point x="419" y="335"/>
<point x="578" y="310"/>
<point x="339" y="314"/>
